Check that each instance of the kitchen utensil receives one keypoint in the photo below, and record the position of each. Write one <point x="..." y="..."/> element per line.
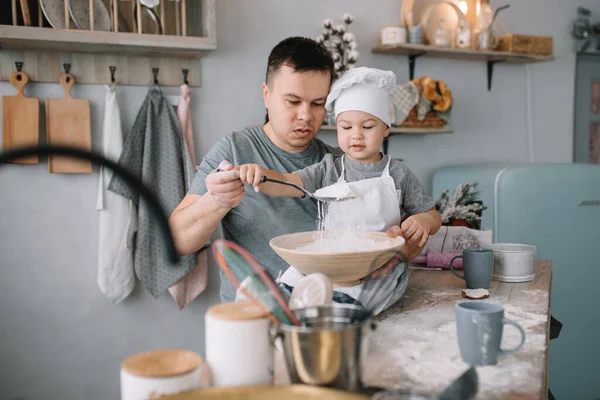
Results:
<point x="463" y="388"/>
<point x="68" y="124"/>
<point x="54" y="10"/>
<point x="306" y="192"/>
<point x="311" y="290"/>
<point x="267" y="392"/>
<point x="441" y="14"/>
<point x="342" y="268"/>
<point x="513" y="262"/>
<point x="238" y="264"/>
<point x="80" y="13"/>
<point x="479" y="327"/>
<point x="329" y="348"/>
<point x="497" y="11"/>
<point x="477" y="267"/>
<point x="97" y="159"/>
<point x="20" y="119"/>
<point x="238" y="344"/>
<point x="25" y="12"/>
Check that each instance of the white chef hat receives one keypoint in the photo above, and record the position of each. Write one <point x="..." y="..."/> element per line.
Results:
<point x="362" y="89"/>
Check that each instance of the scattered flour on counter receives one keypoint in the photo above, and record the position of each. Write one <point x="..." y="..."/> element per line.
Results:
<point x="427" y="358"/>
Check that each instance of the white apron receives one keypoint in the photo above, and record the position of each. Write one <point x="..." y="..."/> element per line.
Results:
<point x="379" y="200"/>
<point x="382" y="212"/>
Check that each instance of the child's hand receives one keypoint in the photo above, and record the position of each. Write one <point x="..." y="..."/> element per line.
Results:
<point x="252" y="174"/>
<point x="416" y="229"/>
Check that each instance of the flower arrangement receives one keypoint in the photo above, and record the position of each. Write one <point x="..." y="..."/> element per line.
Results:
<point x="462" y="208"/>
<point x="585" y="31"/>
<point x="340" y="43"/>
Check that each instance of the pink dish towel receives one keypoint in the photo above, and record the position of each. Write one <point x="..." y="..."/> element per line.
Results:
<point x="194" y="282"/>
<point x="438" y="260"/>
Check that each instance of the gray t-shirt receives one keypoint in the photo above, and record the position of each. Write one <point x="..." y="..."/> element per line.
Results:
<point x="259" y="217"/>
<point x="413" y="197"/>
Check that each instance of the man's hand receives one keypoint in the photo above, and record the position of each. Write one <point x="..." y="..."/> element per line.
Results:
<point x="410" y="250"/>
<point x="251" y="174"/>
<point x="225" y="186"/>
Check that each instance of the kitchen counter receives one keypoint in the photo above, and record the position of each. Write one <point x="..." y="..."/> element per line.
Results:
<point x="415" y="346"/>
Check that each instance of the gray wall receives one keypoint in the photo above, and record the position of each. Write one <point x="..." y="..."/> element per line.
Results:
<point x="59" y="338"/>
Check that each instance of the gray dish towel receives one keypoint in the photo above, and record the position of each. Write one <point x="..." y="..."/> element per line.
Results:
<point x="154" y="152"/>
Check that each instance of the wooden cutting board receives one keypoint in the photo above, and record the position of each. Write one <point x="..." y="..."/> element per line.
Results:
<point x="68" y="124"/>
<point x="20" y="119"/>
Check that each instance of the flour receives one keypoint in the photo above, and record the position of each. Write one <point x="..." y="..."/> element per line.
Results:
<point x="338" y="191"/>
<point x="345" y="242"/>
<point x="428" y="358"/>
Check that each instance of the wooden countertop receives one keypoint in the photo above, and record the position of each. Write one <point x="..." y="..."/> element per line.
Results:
<point x="415" y="345"/>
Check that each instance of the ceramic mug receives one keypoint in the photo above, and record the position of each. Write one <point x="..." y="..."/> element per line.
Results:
<point x="479" y="327"/>
<point x="477" y="267"/>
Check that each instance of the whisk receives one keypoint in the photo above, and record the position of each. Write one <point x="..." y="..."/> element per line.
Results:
<point x="238" y="264"/>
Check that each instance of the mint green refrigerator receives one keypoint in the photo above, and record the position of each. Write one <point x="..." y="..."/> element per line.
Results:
<point x="555" y="207"/>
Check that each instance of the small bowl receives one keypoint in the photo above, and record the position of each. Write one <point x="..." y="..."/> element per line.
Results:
<point x="513" y="262"/>
<point x="342" y="268"/>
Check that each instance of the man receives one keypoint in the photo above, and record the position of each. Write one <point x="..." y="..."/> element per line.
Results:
<point x="298" y="79"/>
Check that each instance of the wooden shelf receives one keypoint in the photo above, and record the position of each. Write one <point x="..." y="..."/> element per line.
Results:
<point x="397" y="130"/>
<point x="490" y="57"/>
<point x="463" y="54"/>
<point x="66" y="40"/>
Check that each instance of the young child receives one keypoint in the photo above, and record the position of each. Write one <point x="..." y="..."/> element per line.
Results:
<point x="390" y="193"/>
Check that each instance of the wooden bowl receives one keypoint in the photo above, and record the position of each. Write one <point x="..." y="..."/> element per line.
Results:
<point x="343" y="268"/>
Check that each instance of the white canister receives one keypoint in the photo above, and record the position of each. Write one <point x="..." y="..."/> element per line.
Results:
<point x="159" y="373"/>
<point x="393" y="35"/>
<point x="238" y="345"/>
<point x="513" y="262"/>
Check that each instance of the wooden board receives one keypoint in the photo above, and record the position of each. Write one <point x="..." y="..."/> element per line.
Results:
<point x="68" y="124"/>
<point x="267" y="392"/>
<point x="20" y="119"/>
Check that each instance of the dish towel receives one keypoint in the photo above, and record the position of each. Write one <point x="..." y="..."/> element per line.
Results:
<point x="116" y="278"/>
<point x="194" y="283"/>
<point x="377" y="301"/>
<point x="154" y="151"/>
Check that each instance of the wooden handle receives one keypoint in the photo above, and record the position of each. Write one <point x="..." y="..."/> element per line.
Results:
<point x="25" y="11"/>
<point x="67" y="81"/>
<point x="19" y="80"/>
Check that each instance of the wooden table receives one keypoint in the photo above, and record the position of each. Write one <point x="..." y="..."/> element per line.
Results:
<point x="415" y="345"/>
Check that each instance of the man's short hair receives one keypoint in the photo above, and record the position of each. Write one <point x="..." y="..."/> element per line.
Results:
<point x="301" y="54"/>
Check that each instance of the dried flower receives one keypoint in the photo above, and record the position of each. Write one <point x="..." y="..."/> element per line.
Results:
<point x="353" y="56"/>
<point x="348" y="37"/>
<point x="340" y="43"/>
<point x="463" y="204"/>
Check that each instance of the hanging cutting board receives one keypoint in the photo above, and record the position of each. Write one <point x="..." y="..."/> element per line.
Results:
<point x="68" y="124"/>
<point x="20" y="119"/>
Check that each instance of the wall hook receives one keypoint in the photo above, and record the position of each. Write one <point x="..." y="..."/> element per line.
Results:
<point x="155" y="73"/>
<point x="67" y="67"/>
<point x="19" y="65"/>
<point x="185" y="75"/>
<point x="112" y="73"/>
